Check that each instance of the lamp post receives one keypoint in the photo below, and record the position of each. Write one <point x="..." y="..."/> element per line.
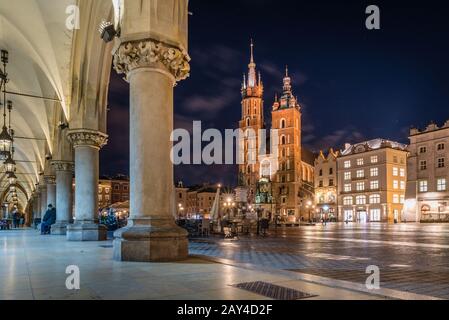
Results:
<point x="5" y="136"/>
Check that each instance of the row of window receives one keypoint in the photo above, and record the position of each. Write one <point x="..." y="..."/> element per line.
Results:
<point x="373" y="159"/>
<point x="374" y="185"/>
<point x="441" y="185"/>
<point x="373" y="199"/>
<point x="331" y="172"/>
<point x="331" y="183"/>
<point x="360" y="161"/>
<point x="115" y="187"/>
<point x="440" y="164"/>
<point x="374" y="172"/>
<point x="440" y="147"/>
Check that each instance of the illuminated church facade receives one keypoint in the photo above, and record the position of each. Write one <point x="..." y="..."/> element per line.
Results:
<point x="279" y="180"/>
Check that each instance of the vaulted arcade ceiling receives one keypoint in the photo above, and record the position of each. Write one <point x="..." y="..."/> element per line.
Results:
<point x="68" y="69"/>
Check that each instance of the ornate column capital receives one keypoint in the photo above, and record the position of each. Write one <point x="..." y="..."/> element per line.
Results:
<point x="152" y="54"/>
<point x="86" y="137"/>
<point x="50" y="179"/>
<point x="63" y="165"/>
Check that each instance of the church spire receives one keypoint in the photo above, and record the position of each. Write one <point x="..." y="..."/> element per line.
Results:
<point x="287" y="82"/>
<point x="252" y="69"/>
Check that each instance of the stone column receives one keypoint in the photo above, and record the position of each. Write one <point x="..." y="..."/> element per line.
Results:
<point x="64" y="196"/>
<point x="152" y="69"/>
<point x="87" y="144"/>
<point x="50" y="181"/>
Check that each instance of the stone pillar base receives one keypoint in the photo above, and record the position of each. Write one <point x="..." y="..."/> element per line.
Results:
<point x="59" y="229"/>
<point x="149" y="243"/>
<point x="86" y="232"/>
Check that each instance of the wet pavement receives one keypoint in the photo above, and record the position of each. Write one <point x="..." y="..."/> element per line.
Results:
<point x="411" y="257"/>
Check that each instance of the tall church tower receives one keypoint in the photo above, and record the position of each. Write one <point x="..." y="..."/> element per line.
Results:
<point x="252" y="118"/>
<point x="286" y="118"/>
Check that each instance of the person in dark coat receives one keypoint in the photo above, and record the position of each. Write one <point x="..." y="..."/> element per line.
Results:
<point x="16" y="218"/>
<point x="48" y="220"/>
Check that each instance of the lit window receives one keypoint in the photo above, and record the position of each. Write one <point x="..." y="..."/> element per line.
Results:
<point x="374" y="172"/>
<point x="402" y="172"/>
<point x="395" y="184"/>
<point x="423" y="186"/>
<point x="347" y="164"/>
<point x="360" y="173"/>
<point x="441" y="163"/>
<point x="360" y="200"/>
<point x="347" y="201"/>
<point x="402" y="185"/>
<point x="395" y="198"/>
<point x="422" y="150"/>
<point x="360" y="186"/>
<point x="374" y="184"/>
<point x="374" y="199"/>
<point x="347" y="175"/>
<point x="395" y="172"/>
<point x="423" y="165"/>
<point x="100" y="189"/>
<point x="374" y="159"/>
<point x="360" y="162"/>
<point x="441" y="184"/>
<point x="402" y="199"/>
<point x="347" y="187"/>
<point x="440" y="146"/>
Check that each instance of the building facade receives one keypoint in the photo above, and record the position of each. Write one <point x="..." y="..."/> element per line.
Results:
<point x="427" y="197"/>
<point x="194" y="201"/>
<point x="282" y="175"/>
<point x="371" y="181"/>
<point x="113" y="190"/>
<point x="326" y="186"/>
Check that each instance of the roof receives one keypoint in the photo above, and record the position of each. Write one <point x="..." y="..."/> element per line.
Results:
<point x="308" y="156"/>
<point x="372" y="145"/>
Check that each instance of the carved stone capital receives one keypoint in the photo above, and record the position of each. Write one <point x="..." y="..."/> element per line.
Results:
<point x="151" y="54"/>
<point x="85" y="137"/>
<point x="50" y="179"/>
<point x="63" y="166"/>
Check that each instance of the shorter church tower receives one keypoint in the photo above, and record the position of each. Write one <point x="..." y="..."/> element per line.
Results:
<point x="286" y="118"/>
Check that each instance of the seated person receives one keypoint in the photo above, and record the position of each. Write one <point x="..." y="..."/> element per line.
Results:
<point x="48" y="220"/>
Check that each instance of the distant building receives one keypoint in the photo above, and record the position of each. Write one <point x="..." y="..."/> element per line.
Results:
<point x="371" y="181"/>
<point x="113" y="190"/>
<point x="110" y="190"/>
<point x="427" y="197"/>
<point x="195" y="200"/>
<point x="326" y="185"/>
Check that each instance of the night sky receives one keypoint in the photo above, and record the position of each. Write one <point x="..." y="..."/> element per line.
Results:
<point x="354" y="84"/>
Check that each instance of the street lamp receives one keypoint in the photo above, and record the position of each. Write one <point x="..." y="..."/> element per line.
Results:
<point x="12" y="178"/>
<point x="10" y="164"/>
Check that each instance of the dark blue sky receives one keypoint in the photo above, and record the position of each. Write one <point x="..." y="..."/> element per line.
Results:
<point x="353" y="83"/>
